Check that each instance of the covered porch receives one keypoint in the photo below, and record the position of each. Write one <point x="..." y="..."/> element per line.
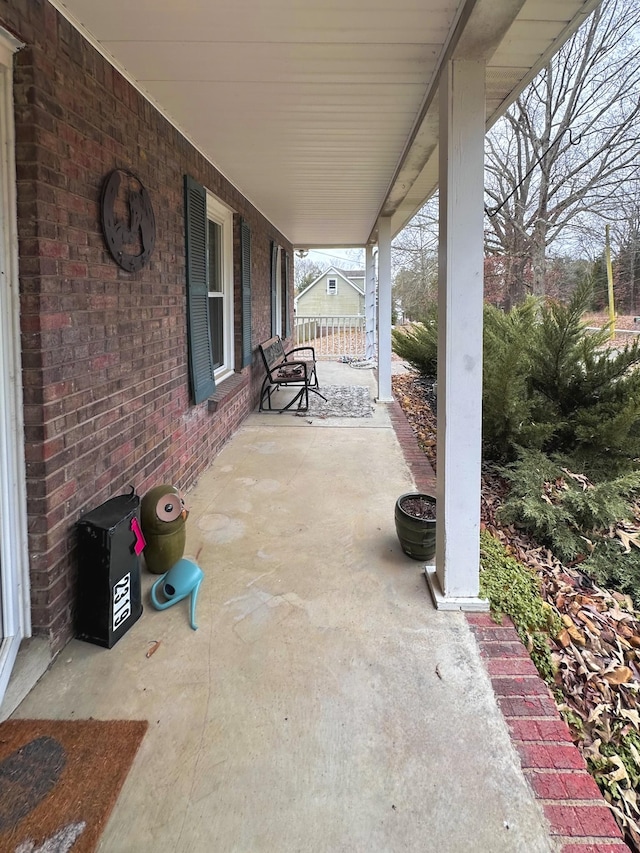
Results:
<point x="301" y="125"/>
<point x="338" y="124"/>
<point x="323" y="704"/>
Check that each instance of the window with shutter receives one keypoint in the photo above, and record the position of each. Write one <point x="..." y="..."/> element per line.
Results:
<point x="201" y="372"/>
<point x="209" y="250"/>
<point x="220" y="267"/>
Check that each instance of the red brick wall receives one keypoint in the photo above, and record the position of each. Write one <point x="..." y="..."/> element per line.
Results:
<point x="104" y="351"/>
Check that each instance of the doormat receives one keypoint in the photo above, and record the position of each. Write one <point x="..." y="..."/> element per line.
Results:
<point x="343" y="401"/>
<point x="59" y="781"/>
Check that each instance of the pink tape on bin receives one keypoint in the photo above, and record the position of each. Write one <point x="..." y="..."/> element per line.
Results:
<point x="140" y="540"/>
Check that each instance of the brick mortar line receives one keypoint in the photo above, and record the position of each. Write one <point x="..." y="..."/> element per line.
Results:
<point x="586" y="840"/>
<point x="573" y="803"/>
<point x="562" y="808"/>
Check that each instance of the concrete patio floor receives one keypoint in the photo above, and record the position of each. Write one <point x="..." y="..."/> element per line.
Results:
<point x="323" y="704"/>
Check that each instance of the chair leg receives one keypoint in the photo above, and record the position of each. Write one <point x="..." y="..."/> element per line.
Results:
<point x="316" y="391"/>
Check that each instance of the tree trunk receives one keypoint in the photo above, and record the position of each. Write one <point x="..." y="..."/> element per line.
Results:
<point x="516" y="288"/>
<point x="538" y="258"/>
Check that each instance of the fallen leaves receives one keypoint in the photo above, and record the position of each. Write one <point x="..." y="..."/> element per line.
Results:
<point x="412" y="392"/>
<point x="596" y="654"/>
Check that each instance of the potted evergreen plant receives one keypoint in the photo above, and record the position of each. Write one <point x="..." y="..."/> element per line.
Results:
<point x="415" y="516"/>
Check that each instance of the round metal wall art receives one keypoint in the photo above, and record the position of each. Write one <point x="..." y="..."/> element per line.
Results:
<point x="128" y="222"/>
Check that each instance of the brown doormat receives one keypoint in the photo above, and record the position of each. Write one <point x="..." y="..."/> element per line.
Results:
<point x="59" y="780"/>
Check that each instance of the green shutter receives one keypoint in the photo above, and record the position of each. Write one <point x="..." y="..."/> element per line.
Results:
<point x="245" y="262"/>
<point x="274" y="301"/>
<point x="285" y="296"/>
<point x="199" y="333"/>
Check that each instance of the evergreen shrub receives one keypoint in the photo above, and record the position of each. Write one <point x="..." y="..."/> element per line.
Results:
<point x="418" y="343"/>
<point x="561" y="416"/>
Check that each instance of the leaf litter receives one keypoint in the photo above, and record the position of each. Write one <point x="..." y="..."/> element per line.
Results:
<point x="595" y="655"/>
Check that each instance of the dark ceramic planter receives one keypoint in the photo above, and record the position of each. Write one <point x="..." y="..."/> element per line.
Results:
<point x="417" y="535"/>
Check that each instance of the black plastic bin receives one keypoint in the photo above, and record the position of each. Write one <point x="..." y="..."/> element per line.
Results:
<point x="109" y="594"/>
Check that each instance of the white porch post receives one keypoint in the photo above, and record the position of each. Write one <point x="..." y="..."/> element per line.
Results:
<point x="369" y="304"/>
<point x="384" y="310"/>
<point x="454" y="583"/>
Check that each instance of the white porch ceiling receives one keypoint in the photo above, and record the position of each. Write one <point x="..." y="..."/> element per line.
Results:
<point x="323" y="113"/>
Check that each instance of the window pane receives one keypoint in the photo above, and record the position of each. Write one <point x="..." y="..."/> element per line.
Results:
<point x="216" y="302"/>
<point x="215" y="257"/>
<point x="216" y="323"/>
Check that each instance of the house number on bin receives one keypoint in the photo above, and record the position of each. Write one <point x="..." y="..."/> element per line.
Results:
<point x="121" y="600"/>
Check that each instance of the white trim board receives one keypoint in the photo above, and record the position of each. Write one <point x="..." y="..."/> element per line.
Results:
<point x="14" y="557"/>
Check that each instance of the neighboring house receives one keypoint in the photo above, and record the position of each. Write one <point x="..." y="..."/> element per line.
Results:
<point x="335" y="293"/>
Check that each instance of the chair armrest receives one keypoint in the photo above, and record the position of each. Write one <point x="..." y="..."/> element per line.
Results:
<point x="301" y="349"/>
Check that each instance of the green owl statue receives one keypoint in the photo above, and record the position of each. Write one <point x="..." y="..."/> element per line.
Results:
<point x="163" y="519"/>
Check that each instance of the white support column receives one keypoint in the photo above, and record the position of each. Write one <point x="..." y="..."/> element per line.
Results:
<point x="454" y="582"/>
<point x="384" y="310"/>
<point x="370" y="304"/>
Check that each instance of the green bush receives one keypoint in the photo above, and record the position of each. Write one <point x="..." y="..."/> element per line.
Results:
<point x="612" y="568"/>
<point x="551" y="385"/>
<point x="508" y="418"/>
<point x="574" y="517"/>
<point x="592" y="392"/>
<point x="561" y="415"/>
<point x="418" y="344"/>
<point x="562" y="509"/>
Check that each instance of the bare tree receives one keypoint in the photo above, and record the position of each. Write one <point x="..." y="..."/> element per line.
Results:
<point x="566" y="147"/>
<point x="626" y="240"/>
<point x="305" y="271"/>
<point x="415" y="261"/>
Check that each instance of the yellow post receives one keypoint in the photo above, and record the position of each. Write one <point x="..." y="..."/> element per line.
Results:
<point x="612" y="311"/>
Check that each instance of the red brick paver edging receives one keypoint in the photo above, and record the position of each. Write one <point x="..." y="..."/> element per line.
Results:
<point x="579" y="818"/>
<point x="415" y="458"/>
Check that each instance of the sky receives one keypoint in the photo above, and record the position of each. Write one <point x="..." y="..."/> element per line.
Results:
<point x="343" y="258"/>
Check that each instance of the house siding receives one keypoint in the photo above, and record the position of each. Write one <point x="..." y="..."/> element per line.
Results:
<point x="104" y="351"/>
<point x="316" y="302"/>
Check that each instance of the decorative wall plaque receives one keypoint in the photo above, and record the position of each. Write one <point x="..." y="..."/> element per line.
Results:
<point x="128" y="222"/>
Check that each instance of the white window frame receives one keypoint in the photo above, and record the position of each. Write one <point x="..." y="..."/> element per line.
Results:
<point x="332" y="286"/>
<point x="279" y="291"/>
<point x="15" y="615"/>
<point x="223" y="216"/>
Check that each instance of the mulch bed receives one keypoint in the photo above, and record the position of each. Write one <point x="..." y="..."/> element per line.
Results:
<point x="417" y="397"/>
<point x="597" y="653"/>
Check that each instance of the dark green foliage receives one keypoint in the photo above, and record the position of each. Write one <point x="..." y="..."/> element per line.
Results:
<point x="564" y="510"/>
<point x="515" y="590"/>
<point x="565" y="393"/>
<point x="575" y="518"/>
<point x="508" y="417"/>
<point x="612" y="568"/>
<point x="561" y="414"/>
<point x="592" y="392"/>
<point x="418" y="344"/>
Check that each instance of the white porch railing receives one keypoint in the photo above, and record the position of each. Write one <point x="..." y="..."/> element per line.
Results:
<point x="332" y="337"/>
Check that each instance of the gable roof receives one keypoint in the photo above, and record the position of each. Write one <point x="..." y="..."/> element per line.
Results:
<point x="331" y="271"/>
<point x="351" y="274"/>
